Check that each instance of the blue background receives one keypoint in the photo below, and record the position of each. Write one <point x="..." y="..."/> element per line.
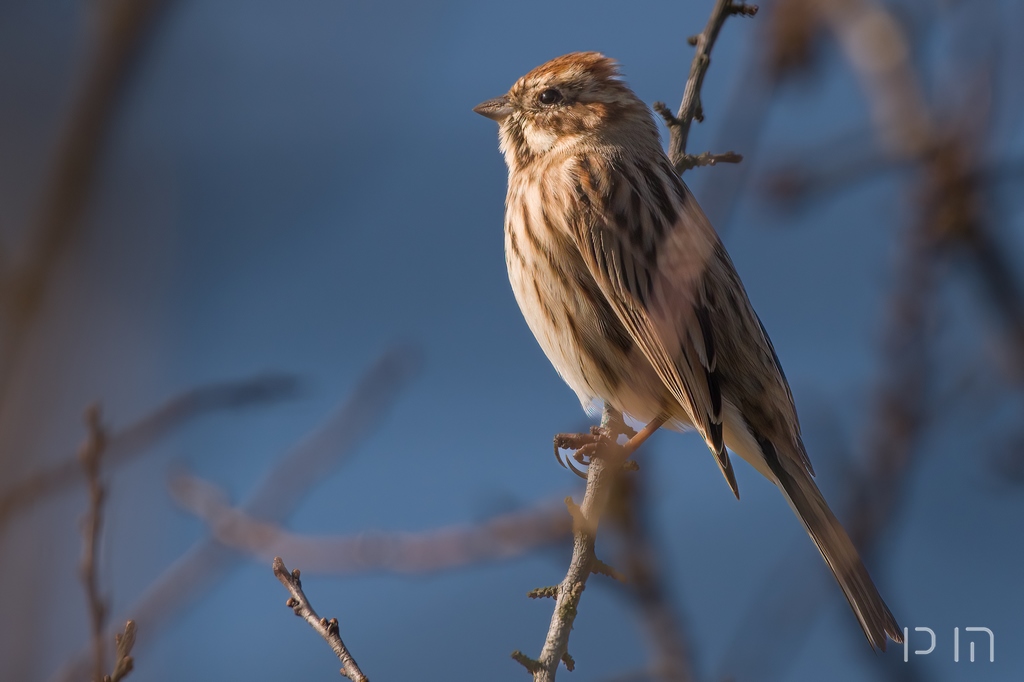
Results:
<point x="299" y="186"/>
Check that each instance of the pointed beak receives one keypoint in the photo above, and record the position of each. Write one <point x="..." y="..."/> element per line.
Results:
<point x="495" y="109"/>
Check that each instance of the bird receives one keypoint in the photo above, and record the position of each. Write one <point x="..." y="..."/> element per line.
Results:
<point x="634" y="300"/>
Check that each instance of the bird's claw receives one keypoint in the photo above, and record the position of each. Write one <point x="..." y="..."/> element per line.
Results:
<point x="584" y="447"/>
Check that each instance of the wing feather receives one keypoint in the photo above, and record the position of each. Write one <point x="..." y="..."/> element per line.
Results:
<point x="669" y="317"/>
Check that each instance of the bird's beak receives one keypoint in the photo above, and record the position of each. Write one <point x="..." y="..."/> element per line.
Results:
<point x="495" y="109"/>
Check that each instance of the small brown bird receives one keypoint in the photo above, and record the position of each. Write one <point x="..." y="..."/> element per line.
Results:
<point x="635" y="301"/>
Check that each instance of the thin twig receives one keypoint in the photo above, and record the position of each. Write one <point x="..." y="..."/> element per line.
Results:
<point x="90" y="456"/>
<point x="708" y="159"/>
<point x="328" y="629"/>
<point x="690" y="108"/>
<point x="282" y="488"/>
<point x="603" y="470"/>
<point x="502" y="537"/>
<point x="137" y="438"/>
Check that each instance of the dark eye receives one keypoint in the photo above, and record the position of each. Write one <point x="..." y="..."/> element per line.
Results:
<point x="550" y="96"/>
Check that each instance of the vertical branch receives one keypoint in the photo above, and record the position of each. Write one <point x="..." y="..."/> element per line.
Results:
<point x="90" y="457"/>
<point x="602" y="471"/>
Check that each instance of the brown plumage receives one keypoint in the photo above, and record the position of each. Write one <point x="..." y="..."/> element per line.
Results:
<point x="635" y="301"/>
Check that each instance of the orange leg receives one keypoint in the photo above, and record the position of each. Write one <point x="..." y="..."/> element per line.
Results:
<point x="639" y="439"/>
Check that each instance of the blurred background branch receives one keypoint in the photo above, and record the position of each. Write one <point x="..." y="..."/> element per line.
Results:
<point x="124" y="27"/>
<point x="135" y="439"/>
<point x="282" y="488"/>
<point x="502" y="537"/>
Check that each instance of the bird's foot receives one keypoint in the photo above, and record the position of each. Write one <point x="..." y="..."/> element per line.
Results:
<point x="586" y="446"/>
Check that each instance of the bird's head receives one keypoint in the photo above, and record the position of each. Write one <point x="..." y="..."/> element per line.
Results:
<point x="575" y="97"/>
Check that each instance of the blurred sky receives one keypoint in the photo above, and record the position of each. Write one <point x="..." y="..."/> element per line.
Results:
<point x="299" y="186"/>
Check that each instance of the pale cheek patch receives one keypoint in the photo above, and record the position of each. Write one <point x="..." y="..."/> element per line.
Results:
<point x="538" y="139"/>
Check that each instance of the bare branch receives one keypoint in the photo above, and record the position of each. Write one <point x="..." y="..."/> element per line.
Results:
<point x="690" y="108"/>
<point x="328" y="629"/>
<point x="501" y="537"/>
<point x="605" y="466"/>
<point x="90" y="456"/>
<point x="135" y="439"/>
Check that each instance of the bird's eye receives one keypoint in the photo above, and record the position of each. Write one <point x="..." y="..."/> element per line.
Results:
<point x="550" y="96"/>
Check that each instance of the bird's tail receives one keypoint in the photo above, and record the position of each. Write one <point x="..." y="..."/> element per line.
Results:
<point x="835" y="546"/>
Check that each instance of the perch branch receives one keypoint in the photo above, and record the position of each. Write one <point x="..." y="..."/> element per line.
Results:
<point x="328" y="629"/>
<point x="605" y="466"/>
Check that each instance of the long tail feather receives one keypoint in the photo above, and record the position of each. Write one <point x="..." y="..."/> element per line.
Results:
<point x="835" y="546"/>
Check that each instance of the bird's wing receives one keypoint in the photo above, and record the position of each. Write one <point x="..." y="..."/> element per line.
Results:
<point x="639" y="242"/>
<point x="757" y="384"/>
